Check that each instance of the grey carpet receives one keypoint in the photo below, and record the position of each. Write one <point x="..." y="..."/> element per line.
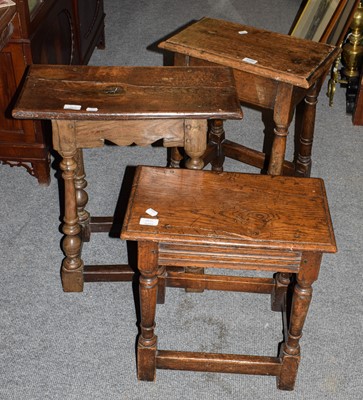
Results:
<point x="55" y="345"/>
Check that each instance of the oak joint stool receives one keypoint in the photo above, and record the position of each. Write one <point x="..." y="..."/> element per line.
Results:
<point x="272" y="71"/>
<point x="227" y="221"/>
<point x="124" y="105"/>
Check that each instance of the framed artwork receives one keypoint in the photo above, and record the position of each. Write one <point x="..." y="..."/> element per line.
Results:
<point x="324" y="21"/>
<point x="341" y="27"/>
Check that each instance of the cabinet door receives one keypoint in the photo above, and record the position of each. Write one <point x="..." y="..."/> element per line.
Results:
<point x="12" y="66"/>
<point x="53" y="41"/>
<point x="90" y="18"/>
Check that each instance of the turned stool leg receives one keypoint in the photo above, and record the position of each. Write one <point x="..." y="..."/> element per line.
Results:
<point x="175" y="157"/>
<point x="72" y="266"/>
<point x="161" y="284"/>
<point x="282" y="119"/>
<point x="195" y="142"/>
<point x="290" y="350"/>
<point x="303" y="160"/>
<point x="282" y="282"/>
<point x="216" y="137"/>
<point x="147" y="343"/>
<point x="82" y="197"/>
<point x="195" y="149"/>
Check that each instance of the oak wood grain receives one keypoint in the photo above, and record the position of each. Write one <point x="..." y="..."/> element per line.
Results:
<point x="227" y="221"/>
<point x="128" y="93"/>
<point x="231" y="208"/>
<point x="257" y="51"/>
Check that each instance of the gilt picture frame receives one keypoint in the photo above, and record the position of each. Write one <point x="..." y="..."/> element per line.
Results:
<point x="325" y="21"/>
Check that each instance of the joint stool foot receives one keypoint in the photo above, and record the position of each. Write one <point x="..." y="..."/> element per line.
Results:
<point x="194" y="270"/>
<point x="72" y="280"/>
<point x="146" y="362"/>
<point x="286" y="379"/>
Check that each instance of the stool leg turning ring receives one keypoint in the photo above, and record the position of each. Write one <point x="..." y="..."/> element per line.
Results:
<point x="82" y="197"/>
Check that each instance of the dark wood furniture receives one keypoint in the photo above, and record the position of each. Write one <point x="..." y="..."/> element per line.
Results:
<point x="358" y="110"/>
<point x="272" y="71"/>
<point x="56" y="32"/>
<point x="6" y="27"/>
<point x="129" y="105"/>
<point x="235" y="222"/>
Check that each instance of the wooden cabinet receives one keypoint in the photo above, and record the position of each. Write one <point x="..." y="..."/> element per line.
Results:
<point x="89" y="14"/>
<point x="6" y="27"/>
<point x="45" y="32"/>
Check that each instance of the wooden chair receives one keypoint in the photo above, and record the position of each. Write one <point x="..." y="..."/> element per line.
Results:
<point x="235" y="222"/>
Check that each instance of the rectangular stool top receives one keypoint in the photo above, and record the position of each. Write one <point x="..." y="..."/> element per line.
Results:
<point x="111" y="93"/>
<point x="205" y="207"/>
<point x="260" y="52"/>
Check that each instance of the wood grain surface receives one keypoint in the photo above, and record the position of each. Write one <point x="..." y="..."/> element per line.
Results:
<point x="261" y="52"/>
<point x="231" y="208"/>
<point x="128" y="93"/>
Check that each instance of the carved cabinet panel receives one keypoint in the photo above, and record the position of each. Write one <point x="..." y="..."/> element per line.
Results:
<point x="90" y="16"/>
<point x="53" y="41"/>
<point x="45" y="32"/>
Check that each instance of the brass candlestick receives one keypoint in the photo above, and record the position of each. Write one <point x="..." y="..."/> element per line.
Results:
<point x="353" y="50"/>
<point x="351" y="59"/>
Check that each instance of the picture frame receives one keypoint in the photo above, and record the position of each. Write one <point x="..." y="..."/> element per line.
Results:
<point x="325" y="21"/>
<point x="342" y="24"/>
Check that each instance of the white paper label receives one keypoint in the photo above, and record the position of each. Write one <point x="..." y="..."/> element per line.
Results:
<point x="149" y="221"/>
<point x="249" y="60"/>
<point x="151" y="212"/>
<point x="72" y="107"/>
